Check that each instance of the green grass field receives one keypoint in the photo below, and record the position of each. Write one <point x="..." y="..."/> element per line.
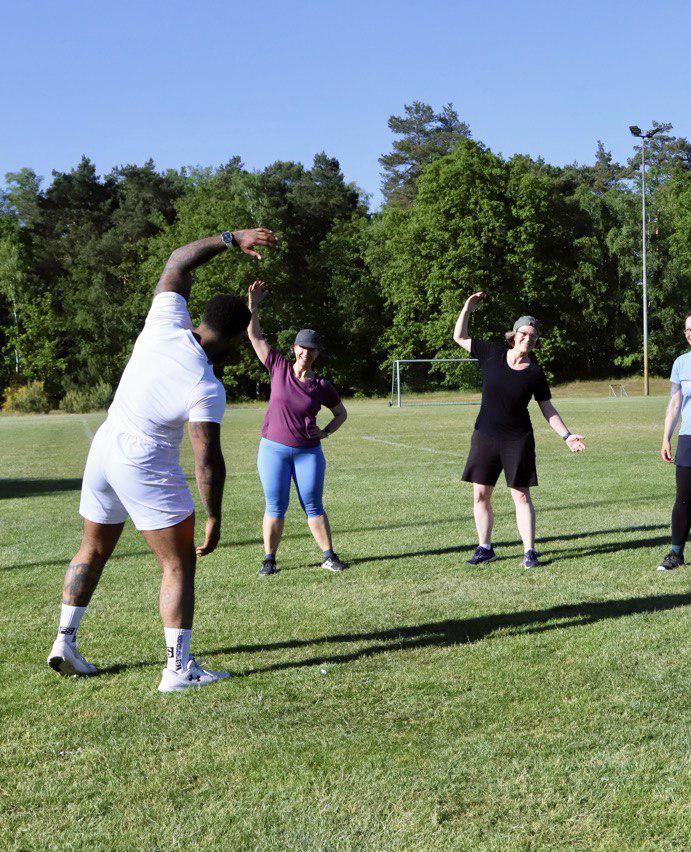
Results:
<point x="411" y="703"/>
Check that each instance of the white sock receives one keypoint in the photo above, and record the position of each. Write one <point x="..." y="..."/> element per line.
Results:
<point x="487" y="546"/>
<point x="70" y="616"/>
<point x="177" y="647"/>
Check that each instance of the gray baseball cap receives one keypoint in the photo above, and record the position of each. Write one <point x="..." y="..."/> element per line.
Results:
<point x="308" y="338"/>
<point x="527" y="320"/>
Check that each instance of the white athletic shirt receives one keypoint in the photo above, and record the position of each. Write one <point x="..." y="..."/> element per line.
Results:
<point x="168" y="379"/>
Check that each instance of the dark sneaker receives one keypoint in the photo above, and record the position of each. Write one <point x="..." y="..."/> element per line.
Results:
<point x="334" y="564"/>
<point x="671" y="561"/>
<point x="530" y="559"/>
<point x="482" y="554"/>
<point x="268" y="568"/>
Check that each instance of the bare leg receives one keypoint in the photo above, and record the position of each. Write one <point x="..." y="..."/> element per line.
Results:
<point x="525" y="517"/>
<point x="483" y="512"/>
<point x="272" y="530"/>
<point x="174" y="550"/>
<point x="81" y="579"/>
<point x="320" y="529"/>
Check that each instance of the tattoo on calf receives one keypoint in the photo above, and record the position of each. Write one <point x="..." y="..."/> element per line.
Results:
<point x="80" y="581"/>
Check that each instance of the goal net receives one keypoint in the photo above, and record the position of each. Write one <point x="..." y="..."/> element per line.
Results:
<point x="435" y="381"/>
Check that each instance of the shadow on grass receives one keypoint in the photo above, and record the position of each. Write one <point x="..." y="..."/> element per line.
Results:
<point x="442" y="634"/>
<point x="605" y="547"/>
<point x="13" y="488"/>
<point x="301" y="534"/>
<point x="608" y="547"/>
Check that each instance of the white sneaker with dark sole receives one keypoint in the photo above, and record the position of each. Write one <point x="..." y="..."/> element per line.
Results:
<point x="65" y="659"/>
<point x="334" y="564"/>
<point x="193" y="677"/>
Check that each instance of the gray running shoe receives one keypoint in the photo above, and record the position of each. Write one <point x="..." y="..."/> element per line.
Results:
<point x="671" y="561"/>
<point x="334" y="564"/>
<point x="268" y="568"/>
<point x="482" y="554"/>
<point x="530" y="559"/>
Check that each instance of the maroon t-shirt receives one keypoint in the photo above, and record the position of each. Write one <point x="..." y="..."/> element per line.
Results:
<point x="293" y="404"/>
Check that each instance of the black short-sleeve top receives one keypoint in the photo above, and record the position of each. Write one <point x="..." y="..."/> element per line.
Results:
<point x="506" y="392"/>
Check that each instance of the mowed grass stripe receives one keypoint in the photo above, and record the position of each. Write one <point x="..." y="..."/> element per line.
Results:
<point x="413" y="702"/>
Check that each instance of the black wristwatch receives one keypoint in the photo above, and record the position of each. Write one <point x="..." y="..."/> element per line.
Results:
<point x="229" y="239"/>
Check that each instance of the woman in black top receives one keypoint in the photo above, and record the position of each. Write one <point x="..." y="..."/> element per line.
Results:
<point x="503" y="436"/>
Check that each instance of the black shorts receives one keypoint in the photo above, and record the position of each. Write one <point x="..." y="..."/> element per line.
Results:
<point x="489" y="456"/>
<point x="682" y="457"/>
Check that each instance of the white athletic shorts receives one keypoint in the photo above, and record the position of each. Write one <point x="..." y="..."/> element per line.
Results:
<point x="125" y="475"/>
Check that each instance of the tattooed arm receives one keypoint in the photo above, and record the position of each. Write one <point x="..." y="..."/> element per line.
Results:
<point x="671" y="418"/>
<point x="210" y="471"/>
<point x="177" y="274"/>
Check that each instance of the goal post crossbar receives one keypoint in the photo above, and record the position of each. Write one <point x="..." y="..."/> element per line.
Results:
<point x="395" y="398"/>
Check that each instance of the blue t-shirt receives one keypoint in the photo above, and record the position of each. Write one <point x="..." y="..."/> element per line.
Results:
<point x="681" y="375"/>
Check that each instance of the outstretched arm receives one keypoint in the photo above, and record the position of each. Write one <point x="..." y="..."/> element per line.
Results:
<point x="551" y="415"/>
<point x="460" y="332"/>
<point x="210" y="472"/>
<point x="177" y="274"/>
<point x="671" y="418"/>
<point x="255" y="294"/>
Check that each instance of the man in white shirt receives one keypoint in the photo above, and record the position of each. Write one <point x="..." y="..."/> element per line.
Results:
<point x="133" y="467"/>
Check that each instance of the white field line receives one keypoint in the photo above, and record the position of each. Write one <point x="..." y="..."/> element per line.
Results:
<point x="412" y="447"/>
<point x="87" y="430"/>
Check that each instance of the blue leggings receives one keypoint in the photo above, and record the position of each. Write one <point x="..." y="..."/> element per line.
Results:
<point x="277" y="463"/>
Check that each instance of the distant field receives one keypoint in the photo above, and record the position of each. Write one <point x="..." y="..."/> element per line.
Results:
<point x="659" y="386"/>
<point x="413" y="702"/>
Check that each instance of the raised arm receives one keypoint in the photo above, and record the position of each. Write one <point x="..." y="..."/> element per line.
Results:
<point x="255" y="294"/>
<point x="551" y="415"/>
<point x="460" y="332"/>
<point x="177" y="273"/>
<point x="671" y="418"/>
<point x="210" y="472"/>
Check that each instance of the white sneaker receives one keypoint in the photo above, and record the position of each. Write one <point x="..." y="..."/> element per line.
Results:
<point x="66" y="660"/>
<point x="334" y="564"/>
<point x="193" y="676"/>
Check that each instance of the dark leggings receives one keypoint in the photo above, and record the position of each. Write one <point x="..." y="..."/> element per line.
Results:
<point x="681" y="511"/>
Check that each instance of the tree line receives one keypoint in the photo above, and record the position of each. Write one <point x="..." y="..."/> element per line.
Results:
<point x="80" y="255"/>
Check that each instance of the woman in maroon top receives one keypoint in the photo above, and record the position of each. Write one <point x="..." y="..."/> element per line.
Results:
<point x="290" y="446"/>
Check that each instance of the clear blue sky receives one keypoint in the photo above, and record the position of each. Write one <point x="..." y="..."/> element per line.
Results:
<point x="196" y="82"/>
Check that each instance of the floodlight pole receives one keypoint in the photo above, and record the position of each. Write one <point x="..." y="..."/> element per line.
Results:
<point x="636" y="131"/>
<point x="646" y="386"/>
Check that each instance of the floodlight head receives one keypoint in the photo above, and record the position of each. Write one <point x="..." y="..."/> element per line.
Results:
<point x="636" y="131"/>
<point x="652" y="132"/>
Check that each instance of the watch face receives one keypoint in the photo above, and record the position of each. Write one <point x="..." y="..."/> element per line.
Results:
<point x="227" y="238"/>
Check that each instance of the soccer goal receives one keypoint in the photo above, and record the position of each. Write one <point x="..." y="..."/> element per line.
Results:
<point x="435" y="381"/>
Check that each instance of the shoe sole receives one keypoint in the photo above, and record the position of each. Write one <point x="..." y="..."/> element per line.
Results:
<point x="65" y="668"/>
<point x="333" y="570"/>
<point x="193" y="685"/>
<point x="184" y="688"/>
<point x="267" y="573"/>
<point x="483" y="562"/>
